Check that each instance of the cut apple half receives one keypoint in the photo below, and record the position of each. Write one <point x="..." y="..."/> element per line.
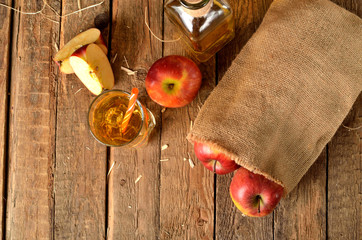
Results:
<point x="65" y="66"/>
<point x="92" y="67"/>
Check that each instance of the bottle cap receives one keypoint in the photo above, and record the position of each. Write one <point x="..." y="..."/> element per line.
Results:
<point x="197" y="12"/>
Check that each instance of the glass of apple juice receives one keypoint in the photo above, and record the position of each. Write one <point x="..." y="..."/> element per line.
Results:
<point x="105" y="118"/>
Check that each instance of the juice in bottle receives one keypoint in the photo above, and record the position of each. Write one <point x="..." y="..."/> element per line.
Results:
<point x="206" y="25"/>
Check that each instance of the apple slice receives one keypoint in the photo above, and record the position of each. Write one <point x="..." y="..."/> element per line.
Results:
<point x="65" y="66"/>
<point x="92" y="35"/>
<point x="101" y="43"/>
<point x="89" y="36"/>
<point x="92" y="67"/>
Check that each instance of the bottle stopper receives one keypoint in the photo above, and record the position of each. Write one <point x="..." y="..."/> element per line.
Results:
<point x="190" y="7"/>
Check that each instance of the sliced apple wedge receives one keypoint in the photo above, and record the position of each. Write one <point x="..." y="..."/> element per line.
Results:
<point x="102" y="44"/>
<point x="89" y="36"/>
<point x="92" y="35"/>
<point x="92" y="67"/>
<point x="65" y="66"/>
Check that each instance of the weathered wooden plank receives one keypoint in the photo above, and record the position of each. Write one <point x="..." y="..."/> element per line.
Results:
<point x="81" y="165"/>
<point x="32" y="125"/>
<point x="344" y="178"/>
<point x="5" y="19"/>
<point x="187" y="194"/>
<point x="230" y="223"/>
<point x="302" y="214"/>
<point x="133" y="208"/>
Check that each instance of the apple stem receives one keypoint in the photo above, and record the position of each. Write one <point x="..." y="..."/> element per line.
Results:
<point x="214" y="166"/>
<point x="259" y="202"/>
<point x="170" y="86"/>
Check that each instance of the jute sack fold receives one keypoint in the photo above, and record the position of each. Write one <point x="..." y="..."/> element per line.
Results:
<point x="287" y="91"/>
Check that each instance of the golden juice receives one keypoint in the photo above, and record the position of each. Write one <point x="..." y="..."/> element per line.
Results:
<point x="206" y="25"/>
<point x="106" y="115"/>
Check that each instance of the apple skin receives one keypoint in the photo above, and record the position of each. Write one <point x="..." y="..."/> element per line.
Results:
<point x="173" y="81"/>
<point x="253" y="194"/>
<point x="80" y="52"/>
<point x="214" y="160"/>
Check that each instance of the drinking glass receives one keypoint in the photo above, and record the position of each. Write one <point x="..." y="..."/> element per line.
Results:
<point x="105" y="118"/>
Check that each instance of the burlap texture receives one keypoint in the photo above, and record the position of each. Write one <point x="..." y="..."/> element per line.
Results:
<point x="287" y="91"/>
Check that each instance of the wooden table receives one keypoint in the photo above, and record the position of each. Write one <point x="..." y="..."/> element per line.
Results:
<point x="54" y="173"/>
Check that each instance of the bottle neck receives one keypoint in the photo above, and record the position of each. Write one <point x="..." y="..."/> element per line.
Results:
<point x="194" y="4"/>
<point x="196" y="8"/>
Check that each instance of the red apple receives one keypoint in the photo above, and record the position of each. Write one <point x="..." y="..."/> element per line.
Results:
<point x="173" y="81"/>
<point x="253" y="194"/>
<point x="92" y="67"/>
<point x="213" y="159"/>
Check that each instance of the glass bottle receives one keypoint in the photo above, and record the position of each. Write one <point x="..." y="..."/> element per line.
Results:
<point x="206" y="25"/>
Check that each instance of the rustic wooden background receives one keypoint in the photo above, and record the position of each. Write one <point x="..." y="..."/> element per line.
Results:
<point x="54" y="182"/>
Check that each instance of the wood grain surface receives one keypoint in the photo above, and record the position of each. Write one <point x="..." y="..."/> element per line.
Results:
<point x="56" y="178"/>
<point x="344" y="178"/>
<point x="32" y="126"/>
<point x="134" y="206"/>
<point x="185" y="191"/>
<point x="302" y="214"/>
<point x="5" y="21"/>
<point x="81" y="166"/>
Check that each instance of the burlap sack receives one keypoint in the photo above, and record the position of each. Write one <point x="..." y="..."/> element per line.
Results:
<point x="288" y="90"/>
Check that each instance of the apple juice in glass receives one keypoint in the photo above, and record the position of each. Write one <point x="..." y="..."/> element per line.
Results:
<point x="105" y="118"/>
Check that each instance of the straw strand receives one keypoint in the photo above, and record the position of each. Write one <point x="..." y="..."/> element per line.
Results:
<point x="45" y="3"/>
